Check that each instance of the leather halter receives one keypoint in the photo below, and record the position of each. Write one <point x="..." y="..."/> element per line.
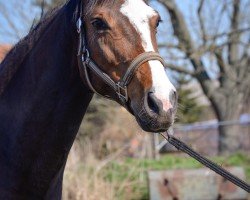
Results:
<point x="120" y="87"/>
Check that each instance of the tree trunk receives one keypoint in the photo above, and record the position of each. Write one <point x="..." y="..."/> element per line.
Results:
<point x="229" y="135"/>
<point x="229" y="141"/>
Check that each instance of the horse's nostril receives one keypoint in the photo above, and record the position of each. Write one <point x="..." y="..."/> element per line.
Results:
<point x="173" y="98"/>
<point x="153" y="103"/>
<point x="161" y="106"/>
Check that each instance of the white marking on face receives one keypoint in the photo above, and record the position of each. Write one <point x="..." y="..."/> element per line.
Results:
<point x="162" y="87"/>
<point x="139" y="13"/>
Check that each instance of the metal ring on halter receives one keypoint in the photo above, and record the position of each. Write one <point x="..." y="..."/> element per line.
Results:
<point x="79" y="25"/>
<point x="85" y="55"/>
<point x="122" y="92"/>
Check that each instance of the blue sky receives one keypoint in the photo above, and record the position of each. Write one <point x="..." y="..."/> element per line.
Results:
<point x="13" y="9"/>
<point x="21" y="14"/>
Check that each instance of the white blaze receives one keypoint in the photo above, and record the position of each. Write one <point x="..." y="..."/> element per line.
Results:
<point x="139" y="13"/>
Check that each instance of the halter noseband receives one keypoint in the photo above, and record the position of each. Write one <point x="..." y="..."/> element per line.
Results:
<point x="120" y="87"/>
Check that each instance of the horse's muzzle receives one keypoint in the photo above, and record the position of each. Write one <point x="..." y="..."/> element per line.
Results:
<point x="157" y="115"/>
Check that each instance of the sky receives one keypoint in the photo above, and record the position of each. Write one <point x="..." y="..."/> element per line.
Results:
<point x="18" y="14"/>
<point x="22" y="13"/>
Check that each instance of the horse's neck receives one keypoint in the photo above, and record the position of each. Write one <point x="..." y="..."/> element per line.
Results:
<point x="40" y="113"/>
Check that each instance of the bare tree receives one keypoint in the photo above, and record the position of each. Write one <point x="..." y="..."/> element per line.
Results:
<point x="213" y="47"/>
<point x="47" y="5"/>
<point x="16" y="18"/>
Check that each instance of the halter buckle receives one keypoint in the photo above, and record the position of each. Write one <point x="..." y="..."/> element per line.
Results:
<point x="85" y="55"/>
<point x="79" y="25"/>
<point x="122" y="92"/>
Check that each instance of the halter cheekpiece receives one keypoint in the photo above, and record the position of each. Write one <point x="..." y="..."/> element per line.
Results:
<point x="86" y="63"/>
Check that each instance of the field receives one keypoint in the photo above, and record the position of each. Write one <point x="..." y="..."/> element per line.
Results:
<point x="126" y="178"/>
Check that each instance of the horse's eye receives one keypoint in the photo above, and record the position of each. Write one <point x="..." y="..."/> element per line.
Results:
<point x="158" y="22"/>
<point x="99" y="24"/>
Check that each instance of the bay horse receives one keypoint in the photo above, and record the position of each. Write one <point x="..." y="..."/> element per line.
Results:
<point x="48" y="79"/>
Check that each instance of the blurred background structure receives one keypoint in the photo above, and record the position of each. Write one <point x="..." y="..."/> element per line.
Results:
<point x="206" y="45"/>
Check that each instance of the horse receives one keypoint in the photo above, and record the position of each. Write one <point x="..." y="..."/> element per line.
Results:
<point x="48" y="80"/>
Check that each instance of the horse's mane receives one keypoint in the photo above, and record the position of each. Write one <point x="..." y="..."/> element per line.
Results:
<point x="19" y="52"/>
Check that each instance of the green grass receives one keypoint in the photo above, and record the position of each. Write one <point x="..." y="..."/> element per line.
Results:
<point x="237" y="159"/>
<point x="134" y="171"/>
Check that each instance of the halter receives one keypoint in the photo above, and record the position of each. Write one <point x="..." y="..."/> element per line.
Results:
<point x="85" y="62"/>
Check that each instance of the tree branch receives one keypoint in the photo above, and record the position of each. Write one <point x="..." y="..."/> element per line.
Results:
<point x="228" y="34"/>
<point x="181" y="31"/>
<point x="180" y="69"/>
<point x="169" y="46"/>
<point x="233" y="53"/>
<point x="225" y="70"/>
<point x="179" y="26"/>
<point x="201" y="22"/>
<point x="3" y="12"/>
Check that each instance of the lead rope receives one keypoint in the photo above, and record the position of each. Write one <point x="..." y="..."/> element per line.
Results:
<point x="208" y="163"/>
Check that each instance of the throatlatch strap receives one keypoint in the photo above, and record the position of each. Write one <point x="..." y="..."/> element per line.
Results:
<point x="100" y="73"/>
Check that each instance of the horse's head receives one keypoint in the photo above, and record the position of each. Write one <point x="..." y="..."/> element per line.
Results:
<point x="117" y="34"/>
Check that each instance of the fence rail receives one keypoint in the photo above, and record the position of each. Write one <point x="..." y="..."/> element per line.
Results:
<point x="204" y="136"/>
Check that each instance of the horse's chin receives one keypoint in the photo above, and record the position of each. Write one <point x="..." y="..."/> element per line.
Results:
<point x="151" y="122"/>
<point x="154" y="125"/>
